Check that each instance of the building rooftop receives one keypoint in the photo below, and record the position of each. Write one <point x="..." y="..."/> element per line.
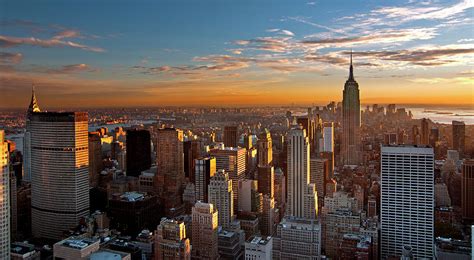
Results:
<point x="77" y="242"/>
<point x="132" y="196"/>
<point x="256" y="240"/>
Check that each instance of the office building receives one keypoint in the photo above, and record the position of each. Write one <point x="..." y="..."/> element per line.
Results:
<point x="130" y="212"/>
<point x="95" y="158"/>
<point x="221" y="196"/>
<point x="407" y="200"/>
<point x="351" y="143"/>
<point x="32" y="108"/>
<point x="205" y="169"/>
<point x="459" y="136"/>
<point x="192" y="151"/>
<point x="59" y="171"/>
<point x="231" y="136"/>
<point x="204" y="236"/>
<point x="319" y="174"/>
<point x="425" y="131"/>
<point x="259" y="248"/>
<point x="4" y="198"/>
<point x="75" y="248"/>
<point x="328" y="137"/>
<point x="265" y="152"/>
<point x="250" y="200"/>
<point x="467" y="190"/>
<point x="302" y="196"/>
<point x="138" y="151"/>
<point x="297" y="238"/>
<point x="171" y="242"/>
<point x="232" y="160"/>
<point x="267" y="225"/>
<point x="266" y="180"/>
<point x="229" y="246"/>
<point x="170" y="169"/>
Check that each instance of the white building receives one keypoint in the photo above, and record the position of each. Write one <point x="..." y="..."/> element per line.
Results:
<point x="258" y="248"/>
<point x="302" y="196"/>
<point x="407" y="201"/>
<point x="328" y="136"/>
<point x="59" y="172"/>
<point x="221" y="196"/>
<point x="297" y="238"/>
<point x="4" y="199"/>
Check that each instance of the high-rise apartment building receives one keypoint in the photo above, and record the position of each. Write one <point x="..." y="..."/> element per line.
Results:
<point x="4" y="198"/>
<point x="205" y="169"/>
<point x="138" y="151"/>
<point x="221" y="196"/>
<point x="170" y="167"/>
<point x="467" y="190"/>
<point x="59" y="171"/>
<point x="204" y="236"/>
<point x="351" y="143"/>
<point x="171" y="242"/>
<point x="231" y="138"/>
<point x="459" y="136"/>
<point x="297" y="238"/>
<point x="302" y="196"/>
<point x="407" y="201"/>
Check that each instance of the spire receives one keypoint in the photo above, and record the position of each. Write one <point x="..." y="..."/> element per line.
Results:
<point x="33" y="108"/>
<point x="351" y="70"/>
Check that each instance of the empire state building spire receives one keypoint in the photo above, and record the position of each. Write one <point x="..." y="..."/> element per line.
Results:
<point x="34" y="107"/>
<point x="351" y="71"/>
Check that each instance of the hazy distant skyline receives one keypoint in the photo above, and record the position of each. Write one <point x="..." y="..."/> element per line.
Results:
<point x="219" y="53"/>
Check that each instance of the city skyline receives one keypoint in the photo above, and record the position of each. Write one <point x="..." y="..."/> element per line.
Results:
<point x="222" y="54"/>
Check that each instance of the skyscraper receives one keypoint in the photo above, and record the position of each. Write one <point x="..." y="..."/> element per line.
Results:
<point x="230" y="136"/>
<point x="221" y="196"/>
<point x="170" y="167"/>
<point x="318" y="176"/>
<point x="328" y="137"/>
<point x="265" y="153"/>
<point x="266" y="180"/>
<point x="302" y="196"/>
<point x="32" y="108"/>
<point x="425" y="132"/>
<point x="171" y="242"/>
<point x="205" y="169"/>
<point x="232" y="160"/>
<point x="95" y="158"/>
<point x="459" y="136"/>
<point x="467" y="190"/>
<point x="191" y="151"/>
<point x="59" y="171"/>
<point x="4" y="198"/>
<point x="407" y="201"/>
<point x="351" y="143"/>
<point x="138" y="151"/>
<point x="204" y="226"/>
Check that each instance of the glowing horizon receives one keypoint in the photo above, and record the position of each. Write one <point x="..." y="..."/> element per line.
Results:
<point x="230" y="54"/>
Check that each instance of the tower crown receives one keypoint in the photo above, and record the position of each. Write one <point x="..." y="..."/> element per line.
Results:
<point x="34" y="107"/>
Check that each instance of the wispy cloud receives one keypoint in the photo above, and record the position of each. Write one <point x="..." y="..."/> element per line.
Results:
<point x="10" y="58"/>
<point x="8" y="41"/>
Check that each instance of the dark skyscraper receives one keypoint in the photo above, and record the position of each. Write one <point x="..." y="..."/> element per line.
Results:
<point x="425" y="132"/>
<point x="191" y="150"/>
<point x="459" y="136"/>
<point x="467" y="190"/>
<point x="138" y="151"/>
<point x="230" y="136"/>
<point x="351" y="121"/>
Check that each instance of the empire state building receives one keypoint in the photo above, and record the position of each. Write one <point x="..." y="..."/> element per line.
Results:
<point x="351" y="121"/>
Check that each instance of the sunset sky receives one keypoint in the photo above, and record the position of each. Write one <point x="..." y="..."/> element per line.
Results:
<point x="220" y="53"/>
